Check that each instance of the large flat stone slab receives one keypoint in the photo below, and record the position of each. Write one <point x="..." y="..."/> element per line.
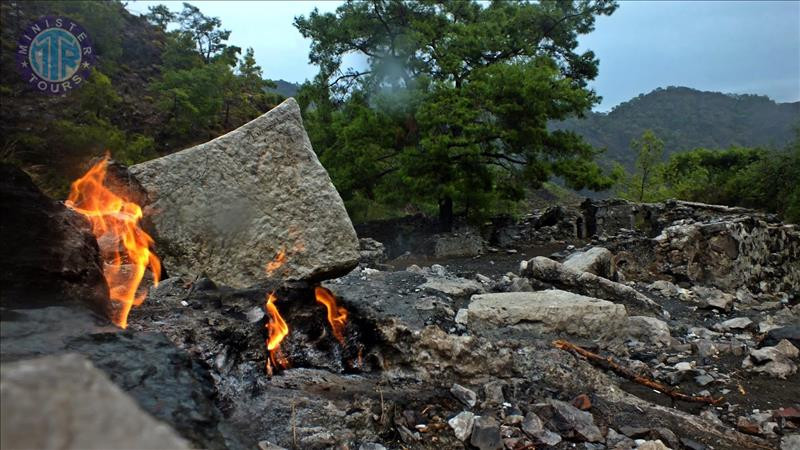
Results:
<point x="229" y="206"/>
<point x="549" y="311"/>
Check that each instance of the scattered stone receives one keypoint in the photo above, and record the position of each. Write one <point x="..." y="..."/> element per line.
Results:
<point x="566" y="418"/>
<point x="596" y="260"/>
<point x="229" y="206"/>
<point x="267" y="445"/>
<point x="371" y="446"/>
<point x="664" y="287"/>
<point x="464" y="395"/>
<point x="775" y="361"/>
<point x="493" y="392"/>
<point x="652" y="445"/>
<point x="546" y="311"/>
<point x="683" y="366"/>
<point x="462" y="425"/>
<point x="790" y="332"/>
<point x="703" y="380"/>
<point x="649" y="329"/>
<point x="66" y="402"/>
<point x="713" y="298"/>
<point x="486" y="434"/>
<point x="462" y="316"/>
<point x="737" y="323"/>
<point x="455" y="287"/>
<point x="790" y="442"/>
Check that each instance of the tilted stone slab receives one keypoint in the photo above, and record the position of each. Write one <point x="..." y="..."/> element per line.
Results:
<point x="229" y="206"/>
<point x="552" y="311"/>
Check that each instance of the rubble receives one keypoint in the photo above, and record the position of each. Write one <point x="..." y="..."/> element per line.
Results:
<point x="777" y="361"/>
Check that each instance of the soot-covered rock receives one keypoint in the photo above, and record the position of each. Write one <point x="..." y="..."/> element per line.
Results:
<point x="50" y="256"/>
<point x="229" y="206"/>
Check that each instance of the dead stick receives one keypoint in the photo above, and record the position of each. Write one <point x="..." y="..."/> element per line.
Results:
<point x="609" y="364"/>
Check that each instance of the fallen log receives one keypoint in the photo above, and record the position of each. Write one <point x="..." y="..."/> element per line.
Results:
<point x="608" y="363"/>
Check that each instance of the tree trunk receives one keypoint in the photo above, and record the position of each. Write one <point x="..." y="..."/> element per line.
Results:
<point x="446" y="214"/>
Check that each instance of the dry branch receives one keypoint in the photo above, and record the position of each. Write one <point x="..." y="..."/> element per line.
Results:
<point x="609" y="364"/>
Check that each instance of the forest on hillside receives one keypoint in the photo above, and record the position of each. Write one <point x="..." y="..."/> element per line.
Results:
<point x="449" y="118"/>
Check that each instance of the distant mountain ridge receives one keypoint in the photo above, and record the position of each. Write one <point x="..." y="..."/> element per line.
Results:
<point x="685" y="119"/>
<point x="285" y="88"/>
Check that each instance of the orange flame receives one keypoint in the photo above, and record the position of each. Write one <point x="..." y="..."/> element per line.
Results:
<point x="278" y="329"/>
<point x="276" y="262"/>
<point x="337" y="315"/>
<point x="117" y="219"/>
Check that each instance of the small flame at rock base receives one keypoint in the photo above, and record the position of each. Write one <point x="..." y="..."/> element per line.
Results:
<point x="277" y="330"/>
<point x="337" y="315"/>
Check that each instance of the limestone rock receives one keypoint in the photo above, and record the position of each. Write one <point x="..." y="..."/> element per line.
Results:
<point x="466" y="396"/>
<point x="547" y="311"/>
<point x="371" y="252"/>
<point x="649" y="329"/>
<point x="462" y="425"/>
<point x="229" y="206"/>
<point x="552" y="272"/>
<point x="596" y="260"/>
<point x="775" y="361"/>
<point x="64" y="402"/>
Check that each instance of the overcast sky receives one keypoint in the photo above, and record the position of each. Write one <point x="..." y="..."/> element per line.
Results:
<point x="736" y="47"/>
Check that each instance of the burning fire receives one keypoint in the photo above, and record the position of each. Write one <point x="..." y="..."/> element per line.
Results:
<point x="277" y="329"/>
<point x="116" y="220"/>
<point x="337" y="315"/>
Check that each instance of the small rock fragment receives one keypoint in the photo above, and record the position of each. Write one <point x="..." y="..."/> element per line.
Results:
<point x="486" y="434"/>
<point x="464" y="395"/>
<point x="462" y="425"/>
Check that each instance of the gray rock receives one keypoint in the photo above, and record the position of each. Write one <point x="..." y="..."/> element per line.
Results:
<point x="455" y="287"/>
<point x="486" y="434"/>
<point x="371" y="252"/>
<point x="267" y="445"/>
<point x="371" y="446"/>
<point x="464" y="395"/>
<point x="493" y="392"/>
<point x="649" y="329"/>
<point x="596" y="260"/>
<point x="462" y="316"/>
<point x="564" y="417"/>
<point x="547" y="311"/>
<point x="652" y="445"/>
<point x="552" y="272"/>
<point x="775" y="361"/>
<point x="229" y="206"/>
<point x="533" y="425"/>
<point x="790" y="442"/>
<point x="451" y="245"/>
<point x="462" y="425"/>
<point x="713" y="298"/>
<point x="664" y="287"/>
<point x="737" y="323"/>
<point x="64" y="402"/>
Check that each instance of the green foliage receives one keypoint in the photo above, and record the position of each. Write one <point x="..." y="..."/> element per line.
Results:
<point x="686" y="118"/>
<point x="175" y="88"/>
<point x="646" y="184"/>
<point x="454" y="106"/>
<point x="738" y="176"/>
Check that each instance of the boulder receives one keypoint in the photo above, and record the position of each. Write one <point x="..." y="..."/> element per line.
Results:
<point x="50" y="255"/>
<point x="64" y="402"/>
<point x="545" y="270"/>
<point x="649" y="330"/>
<point x="545" y="311"/>
<point x="776" y="361"/>
<point x="596" y="260"/>
<point x="227" y="207"/>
